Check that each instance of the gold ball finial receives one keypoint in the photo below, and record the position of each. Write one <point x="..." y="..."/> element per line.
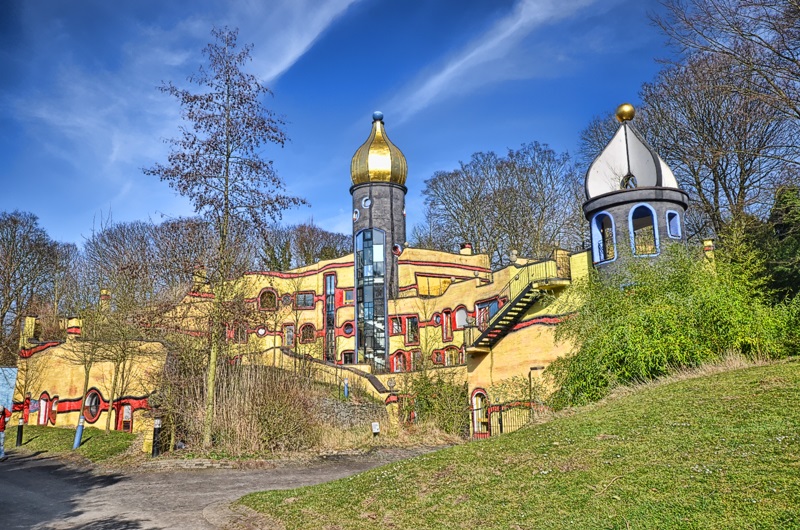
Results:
<point x="625" y="112"/>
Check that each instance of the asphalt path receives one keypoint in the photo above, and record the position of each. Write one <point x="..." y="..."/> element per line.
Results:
<point x="39" y="492"/>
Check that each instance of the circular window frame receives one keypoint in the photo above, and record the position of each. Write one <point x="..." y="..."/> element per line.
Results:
<point x="348" y="328"/>
<point x="366" y="202"/>
<point x="356" y="215"/>
<point x="87" y="415"/>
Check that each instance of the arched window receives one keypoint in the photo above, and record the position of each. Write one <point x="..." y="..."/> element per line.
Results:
<point x="604" y="240"/>
<point x="399" y="362"/>
<point x="452" y="356"/>
<point x="461" y="318"/>
<point x="673" y="224"/>
<point x="644" y="231"/>
<point x="268" y="300"/>
<point x="91" y="406"/>
<point x="480" y="414"/>
<point x="307" y="333"/>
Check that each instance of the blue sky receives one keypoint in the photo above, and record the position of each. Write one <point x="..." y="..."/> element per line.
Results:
<point x="80" y="114"/>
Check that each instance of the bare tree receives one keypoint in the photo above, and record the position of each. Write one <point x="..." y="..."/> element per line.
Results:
<point x="761" y="36"/>
<point x="26" y="259"/>
<point x="527" y="201"/>
<point x="217" y="163"/>
<point x="727" y="149"/>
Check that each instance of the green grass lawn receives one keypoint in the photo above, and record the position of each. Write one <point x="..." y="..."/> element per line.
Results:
<point x="96" y="445"/>
<point x="720" y="451"/>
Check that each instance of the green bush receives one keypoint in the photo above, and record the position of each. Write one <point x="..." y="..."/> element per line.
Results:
<point x="649" y="317"/>
<point x="437" y="397"/>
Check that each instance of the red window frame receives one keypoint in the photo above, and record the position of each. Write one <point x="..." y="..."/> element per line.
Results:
<point x="313" y="334"/>
<point x="304" y="293"/>
<point x="264" y="291"/>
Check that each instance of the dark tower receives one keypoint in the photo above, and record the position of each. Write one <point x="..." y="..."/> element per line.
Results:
<point x="379" y="174"/>
<point x="633" y="203"/>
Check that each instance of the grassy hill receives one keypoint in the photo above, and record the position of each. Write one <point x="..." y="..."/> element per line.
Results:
<point x="719" y="451"/>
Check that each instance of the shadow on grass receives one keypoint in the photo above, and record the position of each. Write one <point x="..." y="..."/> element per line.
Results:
<point x="29" y="440"/>
<point x="85" y="440"/>
<point x="28" y="478"/>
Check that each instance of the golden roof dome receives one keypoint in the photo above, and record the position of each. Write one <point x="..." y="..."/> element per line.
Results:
<point x="378" y="159"/>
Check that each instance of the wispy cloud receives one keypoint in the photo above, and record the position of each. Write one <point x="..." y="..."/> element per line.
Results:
<point x="107" y="121"/>
<point x="283" y="31"/>
<point x="490" y="58"/>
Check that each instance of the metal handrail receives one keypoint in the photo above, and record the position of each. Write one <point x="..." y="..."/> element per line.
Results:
<point x="527" y="274"/>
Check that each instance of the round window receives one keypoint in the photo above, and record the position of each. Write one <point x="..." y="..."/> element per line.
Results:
<point x="437" y="319"/>
<point x="356" y="215"/>
<point x="366" y="202"/>
<point x="261" y="331"/>
<point x="348" y="329"/>
<point x="286" y="299"/>
<point x="91" y="408"/>
<point x="397" y="249"/>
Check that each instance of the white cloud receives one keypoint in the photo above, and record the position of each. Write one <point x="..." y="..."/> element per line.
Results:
<point x="106" y="122"/>
<point x="490" y="58"/>
<point x="283" y="31"/>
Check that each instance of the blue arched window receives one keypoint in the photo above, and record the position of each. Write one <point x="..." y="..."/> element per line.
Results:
<point x="644" y="230"/>
<point x="604" y="241"/>
<point x="673" y="224"/>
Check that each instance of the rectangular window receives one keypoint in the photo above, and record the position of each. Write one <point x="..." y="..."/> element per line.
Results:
<point x="288" y="335"/>
<point x="304" y="301"/>
<point x="397" y="327"/>
<point x="348" y="296"/>
<point x="447" y="326"/>
<point x="412" y="330"/>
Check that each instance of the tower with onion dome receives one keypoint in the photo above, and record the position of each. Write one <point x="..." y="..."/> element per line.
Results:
<point x="633" y="203"/>
<point x="378" y="171"/>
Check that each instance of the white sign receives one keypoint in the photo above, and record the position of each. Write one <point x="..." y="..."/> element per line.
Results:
<point x="376" y="427"/>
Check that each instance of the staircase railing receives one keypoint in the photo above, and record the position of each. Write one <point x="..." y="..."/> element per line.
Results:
<point x="527" y="274"/>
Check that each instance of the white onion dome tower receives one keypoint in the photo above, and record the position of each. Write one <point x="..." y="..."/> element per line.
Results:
<point x="378" y="172"/>
<point x="633" y="202"/>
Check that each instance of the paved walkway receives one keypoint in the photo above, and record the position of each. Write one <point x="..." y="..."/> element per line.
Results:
<point x="40" y="492"/>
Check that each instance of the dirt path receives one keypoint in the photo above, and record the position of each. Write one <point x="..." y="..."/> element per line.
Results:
<point x="45" y="493"/>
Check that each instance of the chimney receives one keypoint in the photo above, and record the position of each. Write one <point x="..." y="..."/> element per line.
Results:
<point x="466" y="249"/>
<point x="28" y="332"/>
<point x="199" y="278"/>
<point x="105" y="300"/>
<point x="74" y="325"/>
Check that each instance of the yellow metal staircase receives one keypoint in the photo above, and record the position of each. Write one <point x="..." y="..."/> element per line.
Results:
<point x="524" y="290"/>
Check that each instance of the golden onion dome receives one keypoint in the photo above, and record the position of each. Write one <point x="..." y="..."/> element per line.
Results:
<point x="378" y="159"/>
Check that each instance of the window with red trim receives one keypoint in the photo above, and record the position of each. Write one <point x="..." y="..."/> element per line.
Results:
<point x="288" y="335"/>
<point x="268" y="300"/>
<point x="461" y="318"/>
<point x="307" y="333"/>
<point x="304" y="300"/>
<point x="447" y="325"/>
<point x="438" y="357"/>
<point x="92" y="406"/>
<point x="396" y="326"/>
<point x="412" y="330"/>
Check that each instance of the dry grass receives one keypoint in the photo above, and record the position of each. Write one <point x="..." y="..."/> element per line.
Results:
<point x="333" y="440"/>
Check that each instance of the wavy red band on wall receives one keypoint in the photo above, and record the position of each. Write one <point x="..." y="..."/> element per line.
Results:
<point x="549" y="320"/>
<point x="443" y="265"/>
<point x="74" y="404"/>
<point x="27" y="352"/>
<point x="74" y="331"/>
<point x="330" y="266"/>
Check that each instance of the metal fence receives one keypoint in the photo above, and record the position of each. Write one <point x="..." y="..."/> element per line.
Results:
<point x="502" y="418"/>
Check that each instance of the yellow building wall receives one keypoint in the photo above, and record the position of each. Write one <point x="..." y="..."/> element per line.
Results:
<point x="56" y="371"/>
